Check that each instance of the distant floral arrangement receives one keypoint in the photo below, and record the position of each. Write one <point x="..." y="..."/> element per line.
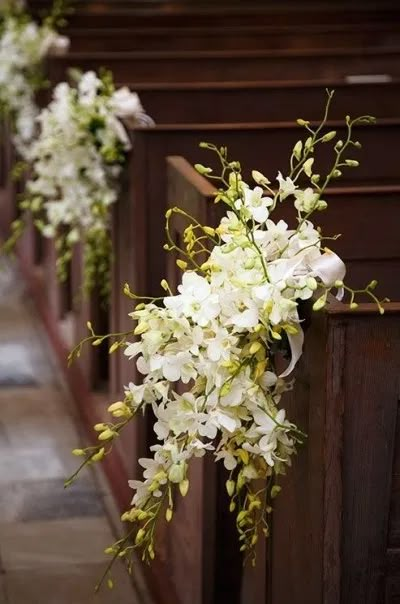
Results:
<point x="76" y="162"/>
<point x="24" y="44"/>
<point x="208" y="352"/>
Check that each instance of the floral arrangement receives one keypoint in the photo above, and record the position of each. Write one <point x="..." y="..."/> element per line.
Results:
<point x="24" y="44"/>
<point x="75" y="162"/>
<point x="222" y="336"/>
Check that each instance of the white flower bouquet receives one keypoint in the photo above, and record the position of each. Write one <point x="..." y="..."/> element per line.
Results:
<point x="24" y="44"/>
<point x="75" y="163"/>
<point x="220" y="335"/>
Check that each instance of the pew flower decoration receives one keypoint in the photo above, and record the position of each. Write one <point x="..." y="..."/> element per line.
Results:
<point x="24" y="45"/>
<point x="211" y="355"/>
<point x="76" y="163"/>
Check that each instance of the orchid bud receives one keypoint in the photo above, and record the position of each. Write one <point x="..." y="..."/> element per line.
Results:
<point x="202" y="169"/>
<point x="320" y="303"/>
<point x="230" y="487"/>
<point x="140" y="536"/>
<point x="352" y="163"/>
<point x="297" y="149"/>
<point x="255" y="347"/>
<point x="181" y="264"/>
<point x="184" y="487"/>
<point x="301" y="122"/>
<point x="168" y="514"/>
<point x="328" y="136"/>
<point x="307" y="166"/>
<point x="259" y="178"/>
<point x="309" y="143"/>
<point x="78" y="452"/>
<point x="100" y="427"/>
<point x="108" y="434"/>
<point x="209" y="231"/>
<point x="113" y="347"/>
<point x="99" y="455"/>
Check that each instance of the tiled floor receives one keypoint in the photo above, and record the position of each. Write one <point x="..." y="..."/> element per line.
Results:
<point x="51" y="540"/>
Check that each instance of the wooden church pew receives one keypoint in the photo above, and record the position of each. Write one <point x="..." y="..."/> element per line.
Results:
<point x="230" y="102"/>
<point x="254" y="37"/>
<point x="234" y="65"/>
<point x="124" y="14"/>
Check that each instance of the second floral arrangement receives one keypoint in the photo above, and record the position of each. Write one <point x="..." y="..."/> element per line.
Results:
<point x="76" y="162"/>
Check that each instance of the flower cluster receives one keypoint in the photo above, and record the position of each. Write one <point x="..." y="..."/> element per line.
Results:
<point x="76" y="161"/>
<point x="211" y="355"/>
<point x="24" y="44"/>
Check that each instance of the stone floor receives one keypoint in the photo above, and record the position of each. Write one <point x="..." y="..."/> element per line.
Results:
<point x="51" y="540"/>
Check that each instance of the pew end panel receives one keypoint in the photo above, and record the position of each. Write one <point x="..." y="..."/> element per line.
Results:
<point x="334" y="529"/>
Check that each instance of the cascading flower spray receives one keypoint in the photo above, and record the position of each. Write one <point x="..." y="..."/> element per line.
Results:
<point x="219" y="336"/>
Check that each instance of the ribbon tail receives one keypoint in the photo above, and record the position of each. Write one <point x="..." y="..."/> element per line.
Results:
<point x="296" y="348"/>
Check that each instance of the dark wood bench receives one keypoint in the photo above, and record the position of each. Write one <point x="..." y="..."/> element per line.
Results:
<point x="186" y="14"/>
<point x="256" y="37"/>
<point x="234" y="65"/>
<point x="217" y="102"/>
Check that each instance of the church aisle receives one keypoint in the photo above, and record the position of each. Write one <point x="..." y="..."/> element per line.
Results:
<point x="51" y="540"/>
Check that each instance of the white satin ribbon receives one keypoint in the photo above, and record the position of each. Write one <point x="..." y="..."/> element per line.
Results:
<point x="296" y="348"/>
<point x="329" y="268"/>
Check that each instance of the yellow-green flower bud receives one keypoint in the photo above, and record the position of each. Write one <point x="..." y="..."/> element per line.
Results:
<point x="255" y="347"/>
<point x="320" y="303"/>
<point x="209" y="231"/>
<point x="297" y="149"/>
<point x="108" y="434"/>
<point x="202" y="169"/>
<point x="184" y="487"/>
<point x="301" y="122"/>
<point x="181" y="264"/>
<point x="141" y="328"/>
<point x="307" y="166"/>
<point x="99" y="455"/>
<point x="78" y="452"/>
<point x="328" y="136"/>
<point x="259" y="178"/>
<point x="230" y="487"/>
<point x="140" y="536"/>
<point x="99" y="427"/>
<point x="168" y="514"/>
<point x="113" y="347"/>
